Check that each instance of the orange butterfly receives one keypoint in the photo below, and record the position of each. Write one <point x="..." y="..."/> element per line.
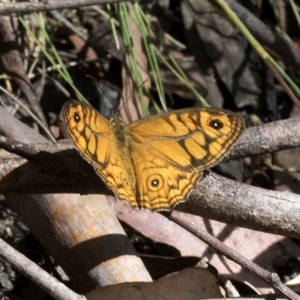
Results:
<point x="155" y="162"/>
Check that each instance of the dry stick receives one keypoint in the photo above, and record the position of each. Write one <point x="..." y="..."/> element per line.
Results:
<point x="214" y="196"/>
<point x="24" y="150"/>
<point x="270" y="137"/>
<point x="26" y="7"/>
<point x="25" y="266"/>
<point x="271" y="278"/>
<point x="246" y="206"/>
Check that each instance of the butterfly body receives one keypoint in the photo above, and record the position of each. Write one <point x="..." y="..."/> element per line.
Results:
<point x="155" y="162"/>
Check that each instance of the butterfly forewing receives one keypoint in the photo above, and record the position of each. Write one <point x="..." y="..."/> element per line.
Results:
<point x="191" y="139"/>
<point x="94" y="137"/>
<point x="88" y="129"/>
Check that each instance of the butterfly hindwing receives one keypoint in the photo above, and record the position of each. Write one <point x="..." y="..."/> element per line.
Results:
<point x="160" y="186"/>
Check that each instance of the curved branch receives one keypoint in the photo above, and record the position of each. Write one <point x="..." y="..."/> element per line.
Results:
<point x="214" y="196"/>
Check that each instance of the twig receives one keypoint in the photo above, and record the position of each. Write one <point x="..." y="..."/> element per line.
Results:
<point x="25" y="266"/>
<point x="271" y="137"/>
<point x="27" y="7"/>
<point x="231" y="254"/>
<point x="214" y="197"/>
<point x="26" y="151"/>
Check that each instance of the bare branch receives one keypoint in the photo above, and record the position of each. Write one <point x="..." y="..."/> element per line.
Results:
<point x="27" y="7"/>
<point x="59" y="169"/>
<point x="235" y="203"/>
<point x="231" y="254"/>
<point x="21" y="263"/>
<point x="268" y="138"/>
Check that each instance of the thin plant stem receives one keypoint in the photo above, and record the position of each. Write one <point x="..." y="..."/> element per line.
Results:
<point x="30" y="113"/>
<point x="59" y="70"/>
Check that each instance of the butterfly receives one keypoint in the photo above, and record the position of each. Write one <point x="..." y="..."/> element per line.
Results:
<point x="152" y="163"/>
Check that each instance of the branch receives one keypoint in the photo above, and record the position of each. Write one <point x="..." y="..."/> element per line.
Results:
<point x="26" y="7"/>
<point x="231" y="254"/>
<point x="271" y="137"/>
<point x="59" y="169"/>
<point x="25" y="266"/>
<point x="228" y="201"/>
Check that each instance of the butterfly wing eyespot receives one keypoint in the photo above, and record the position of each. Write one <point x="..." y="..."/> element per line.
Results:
<point x="216" y="124"/>
<point x="153" y="163"/>
<point x="76" y="117"/>
<point x="155" y="182"/>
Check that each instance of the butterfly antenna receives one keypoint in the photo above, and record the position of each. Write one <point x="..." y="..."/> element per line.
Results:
<point x="137" y="89"/>
<point x="114" y="108"/>
<point x="99" y="86"/>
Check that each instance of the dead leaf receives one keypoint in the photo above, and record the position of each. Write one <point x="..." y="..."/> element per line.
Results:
<point x="191" y="283"/>
<point x="222" y="54"/>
